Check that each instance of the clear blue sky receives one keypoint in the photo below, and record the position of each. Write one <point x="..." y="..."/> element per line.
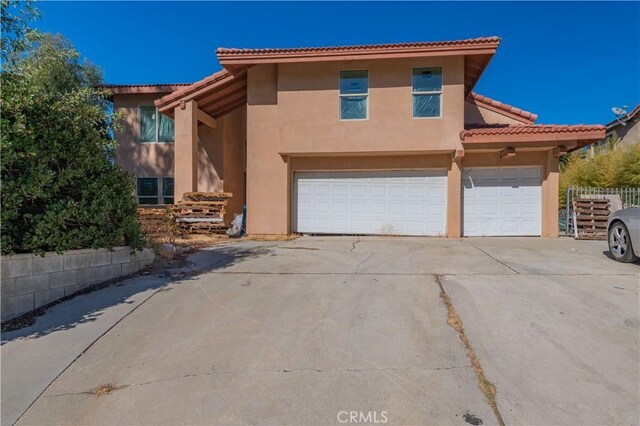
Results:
<point x="568" y="62"/>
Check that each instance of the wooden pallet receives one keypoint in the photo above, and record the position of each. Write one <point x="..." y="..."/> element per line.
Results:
<point x="202" y="212"/>
<point x="590" y="218"/>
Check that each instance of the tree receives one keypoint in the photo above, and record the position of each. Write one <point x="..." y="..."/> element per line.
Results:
<point x="16" y="34"/>
<point x="612" y="165"/>
<point x="61" y="188"/>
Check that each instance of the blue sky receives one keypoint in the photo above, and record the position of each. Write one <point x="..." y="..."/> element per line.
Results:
<point x="568" y="62"/>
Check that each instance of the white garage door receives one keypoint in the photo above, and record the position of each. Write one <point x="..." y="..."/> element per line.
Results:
<point x="502" y="201"/>
<point x="391" y="202"/>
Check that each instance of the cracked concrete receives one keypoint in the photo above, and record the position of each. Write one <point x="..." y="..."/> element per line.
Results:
<point x="351" y="323"/>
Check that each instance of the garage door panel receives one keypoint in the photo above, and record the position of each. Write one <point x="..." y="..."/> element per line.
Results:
<point x="502" y="201"/>
<point x="398" y="202"/>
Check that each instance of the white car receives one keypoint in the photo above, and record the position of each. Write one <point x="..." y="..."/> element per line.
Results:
<point x="623" y="234"/>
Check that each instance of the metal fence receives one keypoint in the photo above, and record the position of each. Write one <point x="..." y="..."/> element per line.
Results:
<point x="630" y="197"/>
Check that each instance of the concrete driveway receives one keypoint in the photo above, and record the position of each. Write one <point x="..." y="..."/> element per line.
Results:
<point x="308" y="331"/>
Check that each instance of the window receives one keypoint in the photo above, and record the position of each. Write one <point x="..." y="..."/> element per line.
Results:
<point x="155" y="127"/>
<point x="167" y="190"/>
<point x="147" y="190"/>
<point x="354" y="92"/>
<point x="426" y="88"/>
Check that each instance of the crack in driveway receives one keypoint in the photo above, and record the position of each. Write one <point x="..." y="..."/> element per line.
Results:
<point x="276" y="371"/>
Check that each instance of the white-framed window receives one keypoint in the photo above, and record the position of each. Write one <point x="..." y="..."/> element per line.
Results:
<point x="167" y="190"/>
<point x="354" y="94"/>
<point x="148" y="190"/>
<point x="426" y="90"/>
<point x="154" y="126"/>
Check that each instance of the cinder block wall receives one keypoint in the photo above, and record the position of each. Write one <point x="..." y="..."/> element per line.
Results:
<point x="30" y="281"/>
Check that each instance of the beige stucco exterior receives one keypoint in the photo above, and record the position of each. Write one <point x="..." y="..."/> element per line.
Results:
<point x="215" y="150"/>
<point x="290" y="123"/>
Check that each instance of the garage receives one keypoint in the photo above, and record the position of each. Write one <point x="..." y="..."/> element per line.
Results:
<point x="502" y="201"/>
<point x="412" y="202"/>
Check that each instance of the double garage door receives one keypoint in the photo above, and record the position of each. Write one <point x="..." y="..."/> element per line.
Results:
<point x="496" y="201"/>
<point x="389" y="202"/>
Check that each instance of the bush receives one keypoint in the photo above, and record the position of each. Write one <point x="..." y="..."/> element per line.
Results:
<point x="611" y="166"/>
<point x="61" y="188"/>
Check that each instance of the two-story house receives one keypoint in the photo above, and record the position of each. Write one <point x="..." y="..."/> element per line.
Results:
<point x="375" y="139"/>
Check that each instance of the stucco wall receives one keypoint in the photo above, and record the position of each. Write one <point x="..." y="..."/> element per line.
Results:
<point x="477" y="114"/>
<point x="141" y="159"/>
<point x="29" y="281"/>
<point x="267" y="171"/>
<point x="217" y="147"/>
<point x="308" y="109"/>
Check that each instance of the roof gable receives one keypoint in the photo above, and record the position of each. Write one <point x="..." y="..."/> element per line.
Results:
<point x="477" y="51"/>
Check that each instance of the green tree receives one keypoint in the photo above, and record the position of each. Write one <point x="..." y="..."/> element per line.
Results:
<point x="61" y="188"/>
<point x="16" y="34"/>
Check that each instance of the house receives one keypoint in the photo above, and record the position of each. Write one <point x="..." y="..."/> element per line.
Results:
<point x="373" y="139"/>
<point x="627" y="133"/>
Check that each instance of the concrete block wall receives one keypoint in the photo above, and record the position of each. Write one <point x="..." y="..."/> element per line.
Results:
<point x="30" y="281"/>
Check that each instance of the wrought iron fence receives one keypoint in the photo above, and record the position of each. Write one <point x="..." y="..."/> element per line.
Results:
<point x="630" y="197"/>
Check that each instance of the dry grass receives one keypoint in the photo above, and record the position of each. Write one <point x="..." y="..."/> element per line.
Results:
<point x="453" y="319"/>
<point x="104" y="389"/>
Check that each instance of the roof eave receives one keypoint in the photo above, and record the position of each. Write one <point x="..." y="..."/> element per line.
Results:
<point x="235" y="59"/>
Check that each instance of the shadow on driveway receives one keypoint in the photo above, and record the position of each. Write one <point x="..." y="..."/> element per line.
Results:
<point x="86" y="307"/>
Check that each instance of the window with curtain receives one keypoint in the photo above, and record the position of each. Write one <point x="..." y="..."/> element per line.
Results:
<point x="426" y="88"/>
<point x="147" y="190"/>
<point x="354" y="94"/>
<point x="155" y="127"/>
<point x="167" y="190"/>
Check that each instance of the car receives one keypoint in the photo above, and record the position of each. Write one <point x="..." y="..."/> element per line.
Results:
<point x="623" y="234"/>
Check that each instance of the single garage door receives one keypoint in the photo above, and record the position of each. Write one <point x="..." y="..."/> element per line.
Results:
<point x="390" y="202"/>
<point x="502" y="201"/>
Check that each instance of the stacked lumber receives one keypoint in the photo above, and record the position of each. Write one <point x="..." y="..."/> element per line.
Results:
<point x="590" y="218"/>
<point x="153" y="220"/>
<point x="202" y="212"/>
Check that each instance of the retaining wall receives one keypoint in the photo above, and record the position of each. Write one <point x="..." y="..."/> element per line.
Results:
<point x="30" y="281"/>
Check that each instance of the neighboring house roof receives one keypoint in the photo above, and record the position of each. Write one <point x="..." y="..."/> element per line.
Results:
<point x="216" y="95"/>
<point x="491" y="133"/>
<point x="615" y="123"/>
<point x="477" y="51"/>
<point x="118" y="89"/>
<point x="502" y="108"/>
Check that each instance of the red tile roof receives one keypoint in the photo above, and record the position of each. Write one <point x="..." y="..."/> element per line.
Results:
<point x="504" y="132"/>
<point x="500" y="107"/>
<point x="476" y="51"/>
<point x="216" y="94"/>
<point x="389" y="46"/>
<point x="143" y="88"/>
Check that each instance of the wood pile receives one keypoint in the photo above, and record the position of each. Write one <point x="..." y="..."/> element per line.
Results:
<point x="153" y="220"/>
<point x="202" y="212"/>
<point x="590" y="218"/>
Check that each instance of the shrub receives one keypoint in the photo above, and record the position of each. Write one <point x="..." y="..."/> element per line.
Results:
<point x="612" y="166"/>
<point x="61" y="188"/>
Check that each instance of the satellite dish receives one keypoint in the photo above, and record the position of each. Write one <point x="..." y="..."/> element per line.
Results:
<point x="621" y="114"/>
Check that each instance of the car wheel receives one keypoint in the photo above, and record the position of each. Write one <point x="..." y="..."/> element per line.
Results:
<point x="620" y="243"/>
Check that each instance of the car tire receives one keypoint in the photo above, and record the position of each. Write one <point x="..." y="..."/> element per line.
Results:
<point x="620" y="243"/>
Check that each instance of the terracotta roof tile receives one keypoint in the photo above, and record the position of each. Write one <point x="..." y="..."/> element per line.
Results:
<point x="489" y="130"/>
<point x="465" y="42"/>
<point x="487" y="101"/>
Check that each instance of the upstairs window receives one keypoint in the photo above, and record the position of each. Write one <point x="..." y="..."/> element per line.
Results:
<point x="426" y="89"/>
<point x="354" y="94"/>
<point x="155" y="127"/>
<point x="147" y="190"/>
